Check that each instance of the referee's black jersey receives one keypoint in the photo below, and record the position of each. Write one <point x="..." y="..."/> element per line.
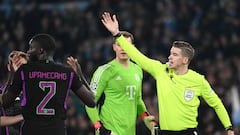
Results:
<point x="45" y="87"/>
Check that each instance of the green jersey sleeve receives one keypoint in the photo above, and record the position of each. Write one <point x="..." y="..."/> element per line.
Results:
<point x="97" y="84"/>
<point x="140" y="104"/>
<point x="92" y="114"/>
<point x="141" y="107"/>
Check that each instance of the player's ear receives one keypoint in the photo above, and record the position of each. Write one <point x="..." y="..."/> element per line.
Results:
<point x="114" y="47"/>
<point x="41" y="51"/>
<point x="185" y="60"/>
<point x="8" y="67"/>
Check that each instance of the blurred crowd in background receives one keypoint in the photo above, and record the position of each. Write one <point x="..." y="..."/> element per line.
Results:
<point x="212" y="27"/>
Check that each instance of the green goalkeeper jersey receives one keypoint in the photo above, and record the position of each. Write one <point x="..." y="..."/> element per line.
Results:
<point x="178" y="95"/>
<point x="123" y="99"/>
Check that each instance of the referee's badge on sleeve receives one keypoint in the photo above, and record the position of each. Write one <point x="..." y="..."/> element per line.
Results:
<point x="188" y="94"/>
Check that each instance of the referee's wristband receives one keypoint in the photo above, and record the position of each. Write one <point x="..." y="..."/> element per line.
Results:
<point x="117" y="35"/>
<point x="229" y="128"/>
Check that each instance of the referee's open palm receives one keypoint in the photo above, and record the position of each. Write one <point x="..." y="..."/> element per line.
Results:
<point x="111" y="23"/>
<point x="230" y="132"/>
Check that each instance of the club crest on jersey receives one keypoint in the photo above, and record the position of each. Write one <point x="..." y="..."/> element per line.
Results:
<point x="94" y="86"/>
<point x="137" y="77"/>
<point x="188" y="94"/>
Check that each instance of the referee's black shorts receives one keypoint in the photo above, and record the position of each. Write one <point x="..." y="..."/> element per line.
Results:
<point x="189" y="131"/>
<point x="38" y="127"/>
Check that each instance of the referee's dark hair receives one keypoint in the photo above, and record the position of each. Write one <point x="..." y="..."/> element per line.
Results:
<point x="187" y="49"/>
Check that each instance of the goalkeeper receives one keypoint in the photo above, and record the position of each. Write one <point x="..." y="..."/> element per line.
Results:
<point x="178" y="87"/>
<point x="117" y="86"/>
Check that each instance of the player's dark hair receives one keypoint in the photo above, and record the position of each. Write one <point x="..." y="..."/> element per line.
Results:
<point x="187" y="49"/>
<point x="125" y="34"/>
<point x="45" y="41"/>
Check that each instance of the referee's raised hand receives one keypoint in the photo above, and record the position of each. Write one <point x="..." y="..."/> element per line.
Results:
<point x="111" y="23"/>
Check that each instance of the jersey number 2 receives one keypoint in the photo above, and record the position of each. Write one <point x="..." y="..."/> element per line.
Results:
<point x="41" y="109"/>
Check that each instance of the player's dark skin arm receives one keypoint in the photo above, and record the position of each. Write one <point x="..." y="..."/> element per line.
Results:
<point x="15" y="61"/>
<point x="0" y="99"/>
<point x="86" y="96"/>
<point x="10" y="78"/>
<point x="8" y="98"/>
<point x="77" y="68"/>
<point x="84" y="92"/>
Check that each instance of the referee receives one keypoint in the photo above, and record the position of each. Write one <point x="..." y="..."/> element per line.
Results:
<point x="178" y="87"/>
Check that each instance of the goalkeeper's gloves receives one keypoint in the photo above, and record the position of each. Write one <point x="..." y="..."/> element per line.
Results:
<point x="101" y="130"/>
<point x="148" y="120"/>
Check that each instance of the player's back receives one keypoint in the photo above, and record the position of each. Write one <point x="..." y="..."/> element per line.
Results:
<point x="45" y="86"/>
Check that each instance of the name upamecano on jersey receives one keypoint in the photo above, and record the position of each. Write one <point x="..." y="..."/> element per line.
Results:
<point x="47" y="75"/>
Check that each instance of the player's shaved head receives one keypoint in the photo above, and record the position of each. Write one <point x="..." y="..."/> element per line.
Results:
<point x="44" y="41"/>
<point x="41" y="47"/>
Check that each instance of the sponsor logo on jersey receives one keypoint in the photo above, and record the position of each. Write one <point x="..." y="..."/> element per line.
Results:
<point x="188" y="94"/>
<point x="131" y="91"/>
<point x="94" y="86"/>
